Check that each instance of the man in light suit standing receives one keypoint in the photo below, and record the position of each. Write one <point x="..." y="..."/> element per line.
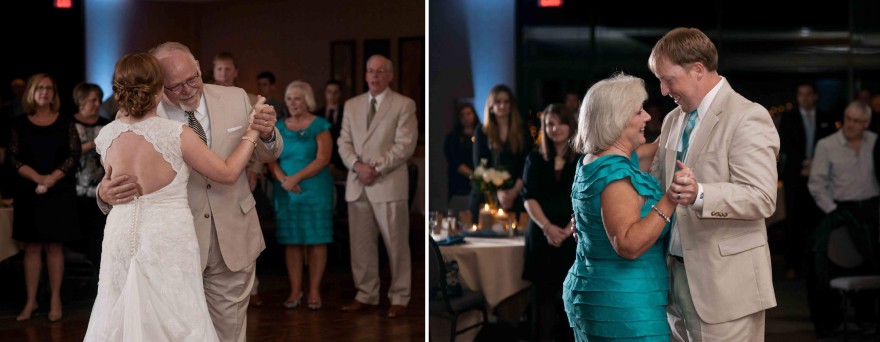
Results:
<point x="379" y="133"/>
<point x="719" y="260"/>
<point x="227" y="227"/>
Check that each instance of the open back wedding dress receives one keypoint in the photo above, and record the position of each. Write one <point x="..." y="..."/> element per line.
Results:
<point x="150" y="282"/>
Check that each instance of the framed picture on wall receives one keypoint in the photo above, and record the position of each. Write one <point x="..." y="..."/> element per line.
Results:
<point x="375" y="47"/>
<point x="411" y="74"/>
<point x="342" y="66"/>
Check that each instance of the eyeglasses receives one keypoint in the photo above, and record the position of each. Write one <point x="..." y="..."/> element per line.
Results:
<point x="377" y="71"/>
<point x="192" y="82"/>
<point x="46" y="88"/>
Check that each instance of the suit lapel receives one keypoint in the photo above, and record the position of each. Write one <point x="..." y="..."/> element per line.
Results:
<point x="709" y="120"/>
<point x="699" y="141"/>
<point x="670" y="147"/>
<point x="380" y="113"/>
<point x="215" y="104"/>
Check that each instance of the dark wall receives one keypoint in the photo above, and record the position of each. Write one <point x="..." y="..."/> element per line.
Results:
<point x="40" y="38"/>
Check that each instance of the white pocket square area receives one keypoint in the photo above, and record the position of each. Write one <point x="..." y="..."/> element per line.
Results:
<point x="233" y="129"/>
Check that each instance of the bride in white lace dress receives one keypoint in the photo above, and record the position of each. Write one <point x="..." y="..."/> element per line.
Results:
<point x="150" y="281"/>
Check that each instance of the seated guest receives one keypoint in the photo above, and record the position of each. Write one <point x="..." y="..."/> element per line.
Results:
<point x="842" y="178"/>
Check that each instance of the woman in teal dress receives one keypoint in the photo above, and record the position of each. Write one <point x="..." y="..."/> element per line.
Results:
<point x="303" y="193"/>
<point x="616" y="290"/>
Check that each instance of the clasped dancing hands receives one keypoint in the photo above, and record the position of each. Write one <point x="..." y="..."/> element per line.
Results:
<point x="684" y="188"/>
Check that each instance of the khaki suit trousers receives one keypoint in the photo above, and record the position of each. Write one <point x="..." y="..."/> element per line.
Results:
<point x="367" y="221"/>
<point x="227" y="293"/>
<point x="686" y="324"/>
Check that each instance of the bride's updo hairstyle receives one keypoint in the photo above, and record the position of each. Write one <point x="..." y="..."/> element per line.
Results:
<point x="137" y="82"/>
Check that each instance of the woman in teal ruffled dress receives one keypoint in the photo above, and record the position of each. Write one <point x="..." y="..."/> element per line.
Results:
<point x="617" y="287"/>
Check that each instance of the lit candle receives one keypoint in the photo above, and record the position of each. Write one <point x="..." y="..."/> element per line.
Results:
<point x="500" y="224"/>
<point x="485" y="219"/>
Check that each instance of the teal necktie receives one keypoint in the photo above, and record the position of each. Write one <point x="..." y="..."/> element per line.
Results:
<point x="686" y="135"/>
<point x="674" y="239"/>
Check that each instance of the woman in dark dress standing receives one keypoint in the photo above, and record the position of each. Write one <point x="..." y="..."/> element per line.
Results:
<point x="44" y="150"/>
<point x="88" y="123"/>
<point x="458" y="148"/>
<point x="504" y="141"/>
<point x="550" y="250"/>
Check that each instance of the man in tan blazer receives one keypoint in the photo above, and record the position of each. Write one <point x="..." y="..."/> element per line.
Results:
<point x="374" y="144"/>
<point x="719" y="260"/>
<point x="227" y="227"/>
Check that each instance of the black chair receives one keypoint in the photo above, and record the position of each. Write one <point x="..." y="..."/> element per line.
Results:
<point x="843" y="253"/>
<point x="843" y="249"/>
<point x="443" y="305"/>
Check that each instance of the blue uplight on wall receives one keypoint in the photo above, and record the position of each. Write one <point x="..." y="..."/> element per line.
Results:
<point x="105" y="31"/>
<point x="491" y="32"/>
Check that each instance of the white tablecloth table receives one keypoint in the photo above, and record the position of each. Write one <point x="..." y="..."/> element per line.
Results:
<point x="8" y="247"/>
<point x="492" y="266"/>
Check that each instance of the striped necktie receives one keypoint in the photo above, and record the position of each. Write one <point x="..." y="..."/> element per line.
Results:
<point x="196" y="126"/>
<point x="371" y="112"/>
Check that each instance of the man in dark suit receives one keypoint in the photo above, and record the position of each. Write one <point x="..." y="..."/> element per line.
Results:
<point x="799" y="130"/>
<point x="333" y="112"/>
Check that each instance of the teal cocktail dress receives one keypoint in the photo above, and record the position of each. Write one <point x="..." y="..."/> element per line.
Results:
<point x="305" y="218"/>
<point x="607" y="297"/>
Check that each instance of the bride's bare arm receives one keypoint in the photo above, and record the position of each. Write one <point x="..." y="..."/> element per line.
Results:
<point x="197" y="154"/>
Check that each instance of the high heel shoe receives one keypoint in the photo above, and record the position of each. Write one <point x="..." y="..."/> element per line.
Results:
<point x="315" y="304"/>
<point x="24" y="317"/>
<point x="55" y="318"/>
<point x="293" y="304"/>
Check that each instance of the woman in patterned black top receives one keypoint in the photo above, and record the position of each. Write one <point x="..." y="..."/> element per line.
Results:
<point x="88" y="123"/>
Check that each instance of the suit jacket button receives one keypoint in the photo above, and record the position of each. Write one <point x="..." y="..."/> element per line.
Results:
<point x="209" y="186"/>
<point x="207" y="216"/>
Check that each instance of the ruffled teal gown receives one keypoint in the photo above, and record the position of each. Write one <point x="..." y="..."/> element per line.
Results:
<point x="606" y="297"/>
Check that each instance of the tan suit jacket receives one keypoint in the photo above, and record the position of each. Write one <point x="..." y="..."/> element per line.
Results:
<point x="232" y="206"/>
<point x="387" y="144"/>
<point x="733" y="156"/>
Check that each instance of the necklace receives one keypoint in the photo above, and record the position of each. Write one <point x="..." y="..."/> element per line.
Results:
<point x="620" y="149"/>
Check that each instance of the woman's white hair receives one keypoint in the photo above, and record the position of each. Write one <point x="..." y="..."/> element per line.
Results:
<point x="605" y="111"/>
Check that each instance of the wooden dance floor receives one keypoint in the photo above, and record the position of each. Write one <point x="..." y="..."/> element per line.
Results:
<point x="271" y="322"/>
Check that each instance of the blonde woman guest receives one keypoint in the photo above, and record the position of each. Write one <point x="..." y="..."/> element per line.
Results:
<point x="304" y="193"/>
<point x="44" y="149"/>
<point x="504" y="141"/>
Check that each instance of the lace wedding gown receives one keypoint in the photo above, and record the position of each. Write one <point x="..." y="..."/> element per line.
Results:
<point x="150" y="283"/>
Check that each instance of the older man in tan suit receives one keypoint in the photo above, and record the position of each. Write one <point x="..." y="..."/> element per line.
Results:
<point x="227" y="227"/>
<point x="379" y="133"/>
<point x="719" y="261"/>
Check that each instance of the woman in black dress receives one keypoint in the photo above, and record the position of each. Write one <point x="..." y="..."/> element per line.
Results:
<point x="550" y="250"/>
<point x="44" y="150"/>
<point x="504" y="142"/>
<point x="458" y="148"/>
